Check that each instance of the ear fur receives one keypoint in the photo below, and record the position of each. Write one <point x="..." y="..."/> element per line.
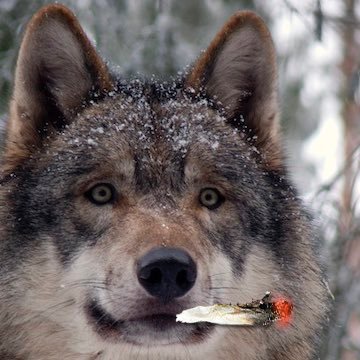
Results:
<point x="56" y="71"/>
<point x="239" y="70"/>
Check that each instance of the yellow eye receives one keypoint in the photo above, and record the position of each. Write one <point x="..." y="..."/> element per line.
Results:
<point x="101" y="194"/>
<point x="211" y="198"/>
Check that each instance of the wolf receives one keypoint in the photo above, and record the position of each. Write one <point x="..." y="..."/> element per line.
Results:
<point x="124" y="202"/>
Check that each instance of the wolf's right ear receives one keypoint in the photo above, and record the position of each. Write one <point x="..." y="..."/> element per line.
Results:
<point x="56" y="71"/>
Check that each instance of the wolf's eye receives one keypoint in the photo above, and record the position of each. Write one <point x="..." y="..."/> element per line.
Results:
<point x="210" y="198"/>
<point x="101" y="194"/>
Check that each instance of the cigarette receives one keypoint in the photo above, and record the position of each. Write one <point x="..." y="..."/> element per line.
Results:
<point x="258" y="312"/>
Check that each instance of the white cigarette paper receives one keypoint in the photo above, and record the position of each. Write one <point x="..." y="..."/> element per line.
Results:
<point x="221" y="314"/>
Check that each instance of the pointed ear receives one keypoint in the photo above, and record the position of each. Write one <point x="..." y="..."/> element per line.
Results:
<point x="57" y="70"/>
<point x="239" y="71"/>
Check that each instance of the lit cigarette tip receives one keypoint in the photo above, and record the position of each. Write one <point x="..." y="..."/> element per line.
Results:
<point x="283" y="309"/>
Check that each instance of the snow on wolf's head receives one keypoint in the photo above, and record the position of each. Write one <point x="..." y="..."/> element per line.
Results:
<point x="125" y="202"/>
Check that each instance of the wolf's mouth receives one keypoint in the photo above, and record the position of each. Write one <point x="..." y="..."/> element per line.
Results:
<point x="152" y="329"/>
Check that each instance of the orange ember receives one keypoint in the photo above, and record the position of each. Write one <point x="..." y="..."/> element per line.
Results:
<point x="283" y="309"/>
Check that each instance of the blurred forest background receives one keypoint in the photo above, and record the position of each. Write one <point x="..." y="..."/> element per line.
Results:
<point x="318" y="44"/>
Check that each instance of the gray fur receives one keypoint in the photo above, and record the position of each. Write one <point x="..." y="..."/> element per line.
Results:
<point x="63" y="257"/>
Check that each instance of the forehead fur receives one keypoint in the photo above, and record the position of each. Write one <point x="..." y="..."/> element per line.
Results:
<point x="161" y="133"/>
<point x="175" y="122"/>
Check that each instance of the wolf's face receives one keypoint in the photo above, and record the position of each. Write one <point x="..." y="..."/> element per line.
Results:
<point x="129" y="202"/>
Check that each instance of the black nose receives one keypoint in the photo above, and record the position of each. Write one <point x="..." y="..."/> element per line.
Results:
<point x="166" y="273"/>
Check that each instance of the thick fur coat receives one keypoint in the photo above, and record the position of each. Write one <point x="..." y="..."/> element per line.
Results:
<point x="98" y="172"/>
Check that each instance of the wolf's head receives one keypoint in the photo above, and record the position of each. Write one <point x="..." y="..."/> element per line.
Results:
<point x="125" y="202"/>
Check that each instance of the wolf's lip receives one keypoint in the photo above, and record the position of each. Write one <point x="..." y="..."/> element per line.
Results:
<point x="105" y="321"/>
<point x="115" y="330"/>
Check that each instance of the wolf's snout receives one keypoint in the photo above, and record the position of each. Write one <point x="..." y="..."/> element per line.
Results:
<point x="166" y="273"/>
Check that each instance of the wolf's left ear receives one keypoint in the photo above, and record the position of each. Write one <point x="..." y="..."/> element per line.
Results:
<point x="57" y="70"/>
<point x="239" y="70"/>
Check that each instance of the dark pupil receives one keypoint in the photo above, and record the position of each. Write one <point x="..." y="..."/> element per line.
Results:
<point x="102" y="193"/>
<point x="208" y="197"/>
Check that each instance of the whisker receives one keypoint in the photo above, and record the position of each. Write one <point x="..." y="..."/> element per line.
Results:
<point x="96" y="284"/>
<point x="220" y="274"/>
<point x="223" y="288"/>
<point x="51" y="310"/>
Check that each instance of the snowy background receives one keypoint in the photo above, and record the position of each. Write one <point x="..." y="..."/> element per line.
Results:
<point x="318" y="45"/>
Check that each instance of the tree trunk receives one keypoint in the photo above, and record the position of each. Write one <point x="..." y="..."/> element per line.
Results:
<point x="344" y="339"/>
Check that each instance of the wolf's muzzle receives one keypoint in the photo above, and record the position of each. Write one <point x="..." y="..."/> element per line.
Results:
<point x="166" y="273"/>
